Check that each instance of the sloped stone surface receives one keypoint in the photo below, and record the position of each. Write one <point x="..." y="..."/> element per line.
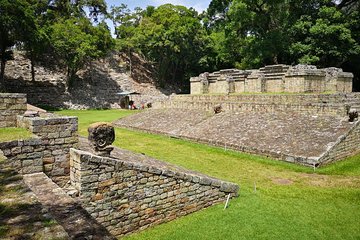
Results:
<point x="283" y="135"/>
<point x="166" y="121"/>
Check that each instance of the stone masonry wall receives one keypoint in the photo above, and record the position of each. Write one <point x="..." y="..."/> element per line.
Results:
<point x="320" y="104"/>
<point x="127" y="196"/>
<point x="347" y="145"/>
<point x="11" y="104"/>
<point x="26" y="156"/>
<point x="58" y="134"/>
<point x="273" y="78"/>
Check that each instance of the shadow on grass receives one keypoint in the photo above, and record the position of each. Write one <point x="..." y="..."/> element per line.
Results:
<point x="20" y="216"/>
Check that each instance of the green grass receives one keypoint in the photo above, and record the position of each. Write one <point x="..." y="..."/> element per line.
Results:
<point x="347" y="167"/>
<point x="9" y="134"/>
<point x="321" y="205"/>
<point x="91" y="116"/>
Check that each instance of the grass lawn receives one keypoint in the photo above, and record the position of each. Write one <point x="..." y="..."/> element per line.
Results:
<point x="9" y="134"/>
<point x="290" y="201"/>
<point x="88" y="117"/>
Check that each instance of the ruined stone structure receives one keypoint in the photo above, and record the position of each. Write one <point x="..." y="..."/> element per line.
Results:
<point x="124" y="193"/>
<point x="48" y="150"/>
<point x="97" y="87"/>
<point x="58" y="134"/>
<point x="337" y="104"/>
<point x="308" y="129"/>
<point x="11" y="105"/>
<point x="273" y="79"/>
<point x="131" y="192"/>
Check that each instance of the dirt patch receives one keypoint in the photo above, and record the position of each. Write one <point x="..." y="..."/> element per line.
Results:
<point x="319" y="180"/>
<point x="282" y="181"/>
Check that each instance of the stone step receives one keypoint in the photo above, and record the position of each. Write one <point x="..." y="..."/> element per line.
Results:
<point x="73" y="218"/>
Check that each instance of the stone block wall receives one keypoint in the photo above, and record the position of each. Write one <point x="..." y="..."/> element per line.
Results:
<point x="129" y="196"/>
<point x="26" y="156"/>
<point x="58" y="134"/>
<point x="347" y="145"/>
<point x="319" y="104"/>
<point x="11" y="105"/>
<point x="273" y="78"/>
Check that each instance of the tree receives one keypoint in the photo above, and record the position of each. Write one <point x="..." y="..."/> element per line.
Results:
<point x="67" y="8"/>
<point x="16" y="22"/>
<point x="326" y="39"/>
<point x="173" y="38"/>
<point x="125" y="23"/>
<point x="259" y="28"/>
<point x="76" y="41"/>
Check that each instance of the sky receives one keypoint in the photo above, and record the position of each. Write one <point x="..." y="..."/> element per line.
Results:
<point x="199" y="5"/>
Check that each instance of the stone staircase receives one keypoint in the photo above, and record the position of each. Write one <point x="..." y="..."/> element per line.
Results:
<point x="72" y="217"/>
<point x="97" y="86"/>
<point x="274" y="71"/>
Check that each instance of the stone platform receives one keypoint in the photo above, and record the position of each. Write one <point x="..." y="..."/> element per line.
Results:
<point x="293" y="137"/>
<point x="313" y="104"/>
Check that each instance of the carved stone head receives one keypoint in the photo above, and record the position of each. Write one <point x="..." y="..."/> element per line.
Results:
<point x="353" y="115"/>
<point x="101" y="136"/>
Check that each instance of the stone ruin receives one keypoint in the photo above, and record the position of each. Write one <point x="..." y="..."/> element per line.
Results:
<point x="127" y="192"/>
<point x="122" y="193"/>
<point x="273" y="79"/>
<point x="101" y="135"/>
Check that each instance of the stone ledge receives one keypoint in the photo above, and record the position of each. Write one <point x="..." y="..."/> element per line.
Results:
<point x="169" y="171"/>
<point x="48" y="120"/>
<point x="12" y="95"/>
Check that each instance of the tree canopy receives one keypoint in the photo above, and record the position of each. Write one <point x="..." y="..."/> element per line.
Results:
<point x="57" y="27"/>
<point x="181" y="42"/>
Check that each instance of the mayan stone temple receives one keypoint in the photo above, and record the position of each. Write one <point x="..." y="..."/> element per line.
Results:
<point x="298" y="114"/>
<point x="273" y="79"/>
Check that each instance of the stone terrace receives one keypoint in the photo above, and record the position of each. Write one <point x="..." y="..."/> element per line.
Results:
<point x="166" y="121"/>
<point x="292" y="137"/>
<point x="324" y="104"/>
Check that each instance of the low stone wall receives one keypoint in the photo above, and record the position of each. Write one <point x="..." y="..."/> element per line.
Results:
<point x="26" y="156"/>
<point x="58" y="134"/>
<point x="347" y="145"/>
<point x="11" y="105"/>
<point x="127" y="196"/>
<point x="323" y="104"/>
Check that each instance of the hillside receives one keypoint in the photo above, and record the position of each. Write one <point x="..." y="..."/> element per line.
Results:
<point x="96" y="87"/>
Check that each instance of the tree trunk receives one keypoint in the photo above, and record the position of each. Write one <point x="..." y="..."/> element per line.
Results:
<point x="130" y="62"/>
<point x="275" y="59"/>
<point x="32" y="67"/>
<point x="68" y="79"/>
<point x="174" y="72"/>
<point x="2" y="69"/>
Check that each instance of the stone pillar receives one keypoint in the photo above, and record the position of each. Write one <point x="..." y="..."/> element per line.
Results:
<point x="204" y="82"/>
<point x="230" y="83"/>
